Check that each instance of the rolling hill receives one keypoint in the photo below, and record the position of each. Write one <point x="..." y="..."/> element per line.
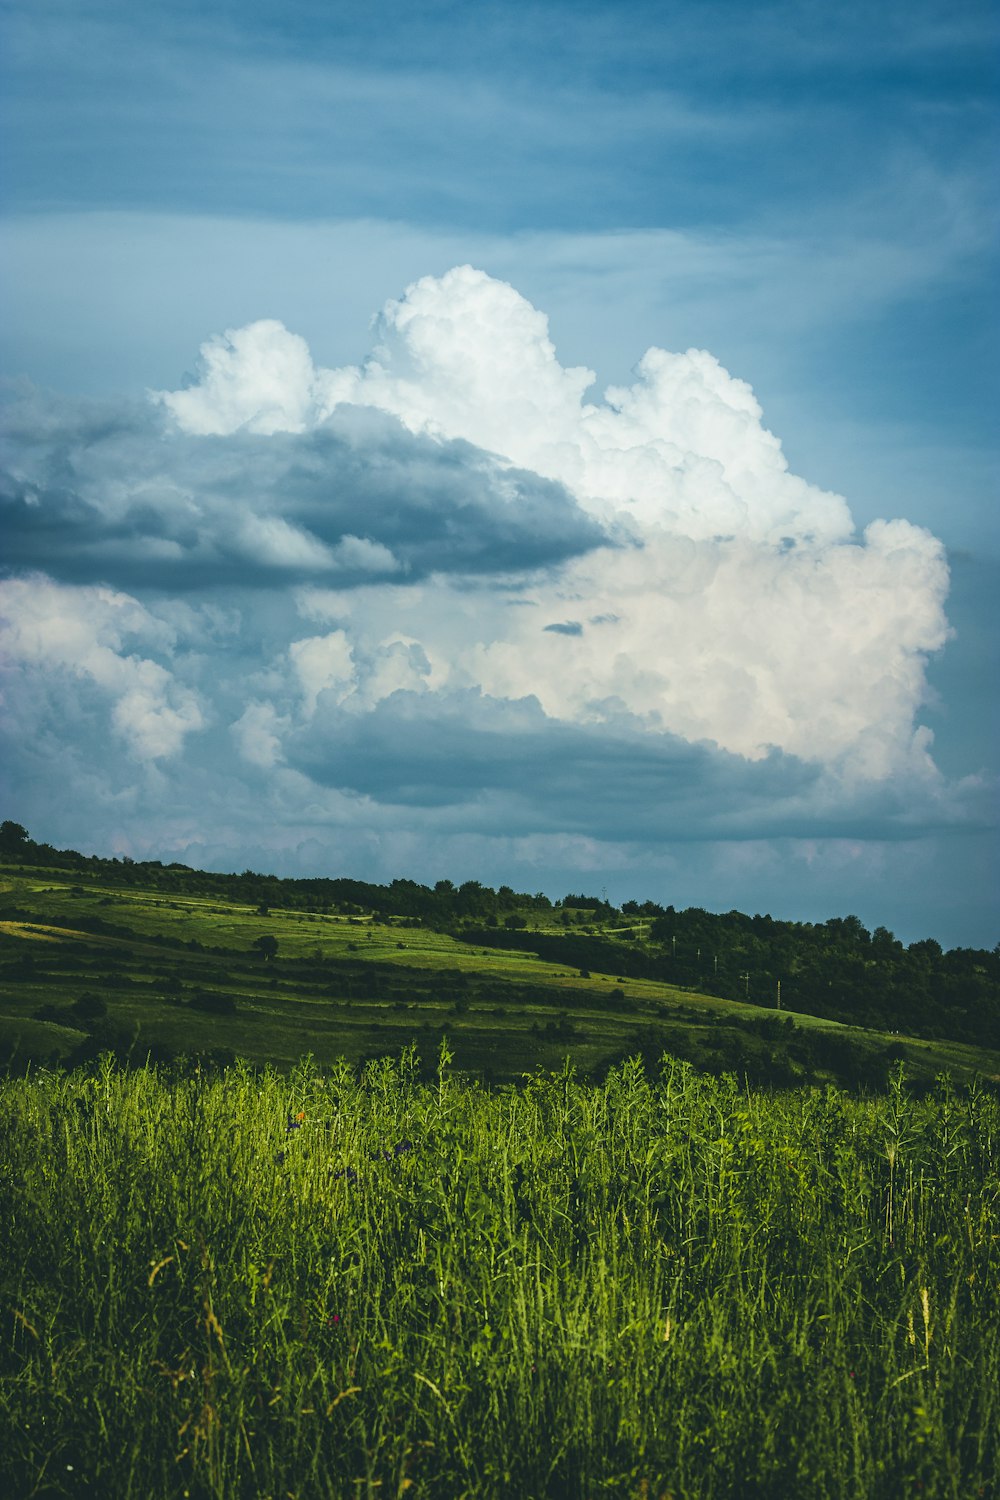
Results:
<point x="152" y="960"/>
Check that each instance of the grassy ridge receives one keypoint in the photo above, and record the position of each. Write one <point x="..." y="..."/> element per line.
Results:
<point x="167" y="972"/>
<point x="835" y="969"/>
<point x="326" y="1285"/>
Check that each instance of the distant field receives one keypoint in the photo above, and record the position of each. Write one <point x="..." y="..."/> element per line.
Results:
<point x="182" y="973"/>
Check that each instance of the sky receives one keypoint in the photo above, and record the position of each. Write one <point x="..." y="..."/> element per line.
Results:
<point x="547" y="444"/>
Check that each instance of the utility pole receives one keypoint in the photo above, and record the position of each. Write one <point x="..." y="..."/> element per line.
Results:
<point x="779" y="994"/>
<point x="746" y="981"/>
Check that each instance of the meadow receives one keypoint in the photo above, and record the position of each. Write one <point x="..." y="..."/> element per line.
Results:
<point x="333" y="1283"/>
<point x="107" y="959"/>
<point x="518" y="1226"/>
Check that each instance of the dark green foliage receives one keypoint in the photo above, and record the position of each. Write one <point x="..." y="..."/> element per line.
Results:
<point x="90" y="1008"/>
<point x="832" y="969"/>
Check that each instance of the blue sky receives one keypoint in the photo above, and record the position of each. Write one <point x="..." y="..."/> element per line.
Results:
<point x="294" y="635"/>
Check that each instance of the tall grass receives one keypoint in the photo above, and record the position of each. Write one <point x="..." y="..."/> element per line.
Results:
<point x="657" y="1286"/>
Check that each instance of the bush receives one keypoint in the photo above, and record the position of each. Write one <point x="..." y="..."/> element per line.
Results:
<point x="90" y="1007"/>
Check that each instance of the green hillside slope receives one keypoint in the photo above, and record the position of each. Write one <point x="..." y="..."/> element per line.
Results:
<point x="150" y="960"/>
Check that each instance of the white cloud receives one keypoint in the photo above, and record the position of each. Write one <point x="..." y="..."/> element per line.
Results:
<point x="258" y="735"/>
<point x="84" y="632"/>
<point x="465" y="356"/>
<point x="259" y="378"/>
<point x="323" y="663"/>
<point x="397" y="665"/>
<point x="739" y="606"/>
<point x="683" y="447"/>
<point x="363" y="674"/>
<point x="814" y="650"/>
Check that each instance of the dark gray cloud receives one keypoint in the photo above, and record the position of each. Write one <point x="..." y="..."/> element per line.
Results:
<point x="108" y="491"/>
<point x="504" y="766"/>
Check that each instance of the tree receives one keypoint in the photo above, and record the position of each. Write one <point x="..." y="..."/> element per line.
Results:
<point x="884" y="940"/>
<point x="267" y="946"/>
<point x="13" y="833"/>
<point x="90" y="1007"/>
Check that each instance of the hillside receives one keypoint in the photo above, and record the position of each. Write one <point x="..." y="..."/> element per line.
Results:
<point x="161" y="960"/>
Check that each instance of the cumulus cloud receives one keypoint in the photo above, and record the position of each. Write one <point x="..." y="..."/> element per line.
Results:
<point x="85" y="633"/>
<point x="447" y="594"/>
<point x="465" y="356"/>
<point x="738" y="605"/>
<point x="323" y="663"/>
<point x="255" y="379"/>
<point x="258" y="734"/>
<point x="815" y="650"/>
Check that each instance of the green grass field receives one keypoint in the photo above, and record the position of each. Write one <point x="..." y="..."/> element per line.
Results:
<point x="181" y="973"/>
<point x="558" y="1261"/>
<point x="329" y="1285"/>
